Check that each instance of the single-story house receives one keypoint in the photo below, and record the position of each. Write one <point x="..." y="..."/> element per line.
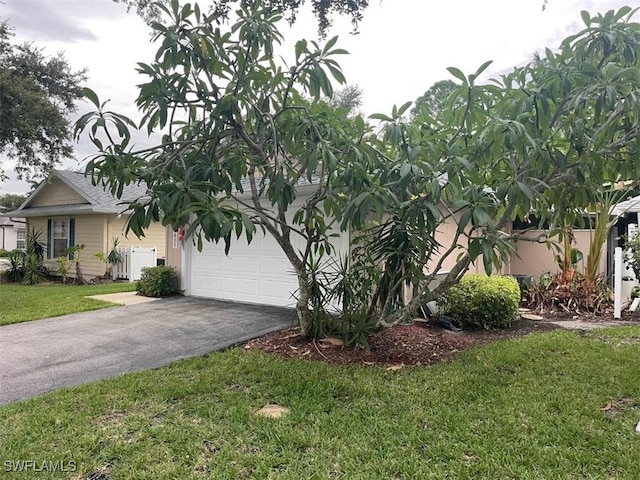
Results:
<point x="260" y="273"/>
<point x="12" y="233"/>
<point x="68" y="210"/>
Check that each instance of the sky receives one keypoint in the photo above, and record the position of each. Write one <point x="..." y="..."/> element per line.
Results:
<point x="402" y="46"/>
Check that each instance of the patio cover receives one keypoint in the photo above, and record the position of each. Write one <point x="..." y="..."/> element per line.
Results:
<point x="631" y="205"/>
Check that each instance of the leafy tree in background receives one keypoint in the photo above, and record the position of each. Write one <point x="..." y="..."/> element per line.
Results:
<point x="11" y="201"/>
<point x="349" y="97"/>
<point x="322" y="9"/>
<point x="434" y="100"/>
<point x="37" y="93"/>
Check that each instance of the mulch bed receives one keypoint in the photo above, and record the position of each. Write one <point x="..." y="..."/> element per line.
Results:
<point x="401" y="345"/>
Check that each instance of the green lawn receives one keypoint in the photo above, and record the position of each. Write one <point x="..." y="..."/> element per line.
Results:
<point x="22" y="303"/>
<point x="529" y="408"/>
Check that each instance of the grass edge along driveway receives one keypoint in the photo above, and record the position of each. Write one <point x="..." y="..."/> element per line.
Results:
<point x="23" y="303"/>
<point x="552" y="405"/>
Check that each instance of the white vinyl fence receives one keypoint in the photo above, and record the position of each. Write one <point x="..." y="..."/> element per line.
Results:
<point x="134" y="259"/>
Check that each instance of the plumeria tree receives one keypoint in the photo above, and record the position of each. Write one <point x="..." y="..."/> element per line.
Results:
<point x="240" y="137"/>
<point x="569" y="124"/>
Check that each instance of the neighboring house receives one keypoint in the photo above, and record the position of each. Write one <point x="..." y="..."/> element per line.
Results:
<point x="68" y="210"/>
<point x="12" y="233"/>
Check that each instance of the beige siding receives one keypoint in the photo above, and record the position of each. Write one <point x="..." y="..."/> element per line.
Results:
<point x="445" y="236"/>
<point x="154" y="236"/>
<point x="89" y="230"/>
<point x="39" y="224"/>
<point x="174" y="255"/>
<point x="56" y="193"/>
<point x="536" y="258"/>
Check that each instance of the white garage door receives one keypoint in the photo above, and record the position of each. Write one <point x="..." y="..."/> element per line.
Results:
<point x="258" y="272"/>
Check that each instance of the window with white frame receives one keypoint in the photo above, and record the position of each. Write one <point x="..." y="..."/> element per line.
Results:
<point x="21" y="238"/>
<point x="59" y="237"/>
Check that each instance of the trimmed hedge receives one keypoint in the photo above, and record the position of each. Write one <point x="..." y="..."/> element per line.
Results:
<point x="158" y="281"/>
<point x="479" y="301"/>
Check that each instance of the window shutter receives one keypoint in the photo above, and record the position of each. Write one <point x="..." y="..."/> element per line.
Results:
<point x="49" y="239"/>
<point x="72" y="235"/>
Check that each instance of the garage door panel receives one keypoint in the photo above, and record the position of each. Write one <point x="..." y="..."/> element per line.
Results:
<point x="277" y="293"/>
<point x="275" y="267"/>
<point x="237" y="265"/>
<point x="258" y="272"/>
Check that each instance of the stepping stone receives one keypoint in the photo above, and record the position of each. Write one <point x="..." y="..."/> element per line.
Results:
<point x="272" y="411"/>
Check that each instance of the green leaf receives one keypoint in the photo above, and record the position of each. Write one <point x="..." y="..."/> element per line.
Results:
<point x="91" y="96"/>
<point x="337" y="74"/>
<point x="301" y="47"/>
<point x="404" y="108"/>
<point x="458" y="74"/>
<point x="381" y="116"/>
<point x="487" y="257"/>
<point x="586" y="17"/>
<point x="405" y="170"/>
<point x="330" y="44"/>
<point x="483" y="67"/>
<point x="474" y="248"/>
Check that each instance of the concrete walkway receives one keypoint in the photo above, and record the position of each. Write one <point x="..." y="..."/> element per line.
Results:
<point x="45" y="355"/>
<point x="124" y="298"/>
<point x="587" y="325"/>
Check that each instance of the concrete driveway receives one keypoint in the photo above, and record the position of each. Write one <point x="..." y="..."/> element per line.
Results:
<point x="45" y="355"/>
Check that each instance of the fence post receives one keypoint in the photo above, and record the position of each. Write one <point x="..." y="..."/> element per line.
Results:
<point x="617" y="282"/>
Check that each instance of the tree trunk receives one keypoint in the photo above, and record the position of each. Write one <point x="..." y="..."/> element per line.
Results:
<point x="305" y="319"/>
<point x="79" y="276"/>
<point x="567" y="266"/>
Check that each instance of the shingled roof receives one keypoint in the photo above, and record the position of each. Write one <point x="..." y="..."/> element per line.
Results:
<point x="97" y="199"/>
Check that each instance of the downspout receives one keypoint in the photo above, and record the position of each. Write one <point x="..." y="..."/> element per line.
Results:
<point x="2" y="227"/>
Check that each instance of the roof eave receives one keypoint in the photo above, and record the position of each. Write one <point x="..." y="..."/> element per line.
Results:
<point x="61" y="210"/>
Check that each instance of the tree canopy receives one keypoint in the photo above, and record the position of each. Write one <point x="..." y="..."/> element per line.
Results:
<point x="37" y="93"/>
<point x="12" y="201"/>
<point x="349" y="98"/>
<point x="435" y="98"/>
<point x="242" y="140"/>
<point x="569" y="126"/>
<point x="324" y="10"/>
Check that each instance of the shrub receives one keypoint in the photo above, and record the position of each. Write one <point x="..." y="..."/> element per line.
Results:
<point x="4" y="253"/>
<point x="63" y="268"/>
<point x="28" y="267"/>
<point x="355" y="328"/>
<point x="478" y="301"/>
<point x="36" y="245"/>
<point x="157" y="281"/>
<point x="15" y="271"/>
<point x="34" y="271"/>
